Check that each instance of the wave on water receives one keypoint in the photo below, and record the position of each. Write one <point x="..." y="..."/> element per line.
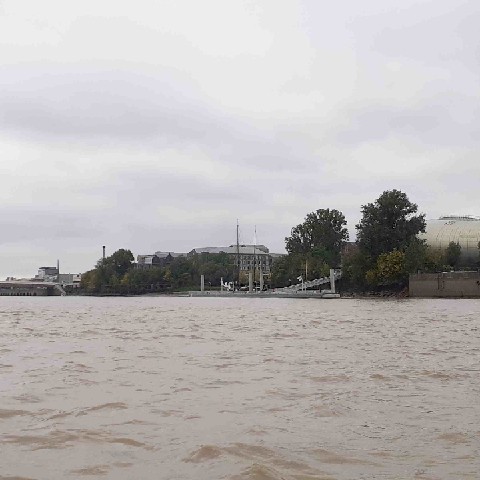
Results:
<point x="194" y="388"/>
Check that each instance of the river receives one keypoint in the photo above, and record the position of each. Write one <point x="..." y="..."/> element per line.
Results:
<point x="262" y="389"/>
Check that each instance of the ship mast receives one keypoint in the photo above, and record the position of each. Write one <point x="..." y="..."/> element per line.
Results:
<point x="238" y="257"/>
<point x="255" y="256"/>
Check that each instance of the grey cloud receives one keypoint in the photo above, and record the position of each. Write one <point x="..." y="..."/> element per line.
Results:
<point x="446" y="119"/>
<point x="281" y="162"/>
<point x="160" y="188"/>
<point x="117" y="102"/>
<point x="39" y="225"/>
<point x="446" y="32"/>
<point x="183" y="238"/>
<point x="439" y="33"/>
<point x="121" y="105"/>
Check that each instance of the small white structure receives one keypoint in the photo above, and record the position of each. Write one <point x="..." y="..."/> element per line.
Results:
<point x="70" y="279"/>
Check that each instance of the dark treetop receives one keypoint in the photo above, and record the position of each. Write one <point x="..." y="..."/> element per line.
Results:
<point x="388" y="224"/>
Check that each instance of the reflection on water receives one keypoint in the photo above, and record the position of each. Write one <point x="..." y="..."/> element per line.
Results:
<point x="212" y="388"/>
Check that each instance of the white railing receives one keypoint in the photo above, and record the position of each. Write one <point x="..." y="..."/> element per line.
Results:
<point x="310" y="283"/>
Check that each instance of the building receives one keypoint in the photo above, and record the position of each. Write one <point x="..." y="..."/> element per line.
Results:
<point x="71" y="280"/>
<point x="53" y="275"/>
<point x="47" y="274"/>
<point x="156" y="260"/>
<point x="145" y="262"/>
<point x="167" y="257"/>
<point x="247" y="257"/>
<point x="464" y="230"/>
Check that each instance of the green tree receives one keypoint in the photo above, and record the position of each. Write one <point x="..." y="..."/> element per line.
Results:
<point x="452" y="254"/>
<point x="140" y="281"/>
<point x="120" y="262"/>
<point x="388" y="224"/>
<point x="416" y="254"/>
<point x="214" y="267"/>
<point x="389" y="269"/>
<point x="287" y="269"/>
<point x="90" y="281"/>
<point x="283" y="271"/>
<point x="322" y="231"/>
<point x="354" y="269"/>
<point x="434" y="260"/>
<point x="182" y="273"/>
<point x="108" y="274"/>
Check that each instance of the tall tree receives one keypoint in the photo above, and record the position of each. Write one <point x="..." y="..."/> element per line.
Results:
<point x="120" y="261"/>
<point x="323" y="233"/>
<point x="452" y="254"/>
<point x="388" y="224"/>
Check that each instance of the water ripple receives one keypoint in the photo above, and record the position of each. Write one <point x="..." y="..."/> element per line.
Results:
<point x="178" y="388"/>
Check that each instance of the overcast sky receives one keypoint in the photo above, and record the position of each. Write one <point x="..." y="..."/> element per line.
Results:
<point x="155" y="125"/>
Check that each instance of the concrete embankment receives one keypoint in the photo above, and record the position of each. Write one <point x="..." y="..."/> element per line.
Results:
<point x="305" y="294"/>
<point x="30" y="289"/>
<point x="445" y="285"/>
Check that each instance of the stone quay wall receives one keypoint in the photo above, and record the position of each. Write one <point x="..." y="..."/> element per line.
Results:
<point x="17" y="289"/>
<point x="445" y="285"/>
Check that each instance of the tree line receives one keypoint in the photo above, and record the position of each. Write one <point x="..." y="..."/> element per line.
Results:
<point x="387" y="249"/>
<point x="117" y="274"/>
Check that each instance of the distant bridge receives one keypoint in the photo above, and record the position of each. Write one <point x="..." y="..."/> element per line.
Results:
<point x="25" y="288"/>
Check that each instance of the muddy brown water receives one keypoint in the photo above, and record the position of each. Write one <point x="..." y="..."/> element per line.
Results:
<point x="213" y="388"/>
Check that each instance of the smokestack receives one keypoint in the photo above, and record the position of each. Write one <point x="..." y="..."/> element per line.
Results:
<point x="58" y="266"/>
<point x="103" y="252"/>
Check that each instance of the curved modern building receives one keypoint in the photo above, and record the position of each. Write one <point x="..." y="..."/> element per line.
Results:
<point x="463" y="230"/>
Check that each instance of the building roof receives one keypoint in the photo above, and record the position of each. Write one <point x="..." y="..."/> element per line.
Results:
<point x="232" y="249"/>
<point x="210" y="250"/>
<point x="145" y="259"/>
<point x="172" y="254"/>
